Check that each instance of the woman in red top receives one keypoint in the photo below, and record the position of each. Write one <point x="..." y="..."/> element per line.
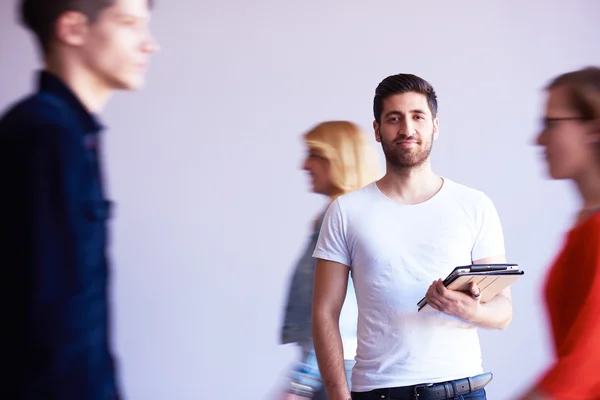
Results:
<point x="571" y="140"/>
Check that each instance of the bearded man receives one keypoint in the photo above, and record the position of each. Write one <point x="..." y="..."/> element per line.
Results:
<point x="399" y="237"/>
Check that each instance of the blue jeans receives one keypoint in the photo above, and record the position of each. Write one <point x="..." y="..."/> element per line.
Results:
<point x="305" y="377"/>
<point x="377" y="395"/>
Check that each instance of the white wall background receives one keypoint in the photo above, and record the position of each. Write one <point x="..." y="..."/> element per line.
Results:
<point x="203" y="164"/>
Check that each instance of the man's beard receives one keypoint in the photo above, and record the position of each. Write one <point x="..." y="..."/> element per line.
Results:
<point x="403" y="159"/>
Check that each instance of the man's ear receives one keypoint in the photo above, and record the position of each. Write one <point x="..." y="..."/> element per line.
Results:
<point x="71" y="28"/>
<point x="377" y="132"/>
<point x="436" y="126"/>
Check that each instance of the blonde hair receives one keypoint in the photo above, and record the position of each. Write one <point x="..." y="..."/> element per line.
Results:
<point x="583" y="88"/>
<point x="352" y="160"/>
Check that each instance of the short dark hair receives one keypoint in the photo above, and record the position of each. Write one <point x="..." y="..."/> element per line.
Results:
<point x="40" y="16"/>
<point x="583" y="88"/>
<point x="403" y="83"/>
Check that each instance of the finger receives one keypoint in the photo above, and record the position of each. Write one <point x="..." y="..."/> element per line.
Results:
<point x="433" y="297"/>
<point x="435" y="304"/>
<point x="440" y="301"/>
<point x="434" y="291"/>
<point x="475" y="291"/>
<point x="429" y="290"/>
<point x="428" y="294"/>
<point x="440" y="288"/>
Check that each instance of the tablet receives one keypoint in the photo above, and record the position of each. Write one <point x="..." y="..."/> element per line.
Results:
<point x="479" y="268"/>
<point x="491" y="279"/>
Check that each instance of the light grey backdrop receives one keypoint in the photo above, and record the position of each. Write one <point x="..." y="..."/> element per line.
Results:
<point x="203" y="164"/>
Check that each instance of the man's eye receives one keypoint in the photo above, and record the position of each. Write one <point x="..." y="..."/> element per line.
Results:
<point x="130" y="21"/>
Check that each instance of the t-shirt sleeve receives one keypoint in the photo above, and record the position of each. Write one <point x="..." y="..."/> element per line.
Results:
<point x="332" y="244"/>
<point x="489" y="238"/>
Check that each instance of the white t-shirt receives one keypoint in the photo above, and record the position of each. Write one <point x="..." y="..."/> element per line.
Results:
<point x="395" y="252"/>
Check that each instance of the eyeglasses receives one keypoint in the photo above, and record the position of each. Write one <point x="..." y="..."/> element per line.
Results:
<point x="548" y="123"/>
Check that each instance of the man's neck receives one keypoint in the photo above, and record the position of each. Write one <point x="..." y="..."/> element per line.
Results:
<point x="92" y="93"/>
<point x="410" y="186"/>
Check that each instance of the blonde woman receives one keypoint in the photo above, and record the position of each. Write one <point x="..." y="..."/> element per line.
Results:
<point x="339" y="160"/>
<point x="571" y="141"/>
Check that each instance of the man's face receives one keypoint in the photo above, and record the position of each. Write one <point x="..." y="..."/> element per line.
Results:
<point x="117" y="46"/>
<point x="407" y="130"/>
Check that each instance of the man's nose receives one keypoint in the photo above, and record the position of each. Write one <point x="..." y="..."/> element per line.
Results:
<point x="406" y="128"/>
<point x="151" y="44"/>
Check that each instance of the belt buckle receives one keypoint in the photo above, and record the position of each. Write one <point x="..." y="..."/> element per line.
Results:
<point x="420" y="386"/>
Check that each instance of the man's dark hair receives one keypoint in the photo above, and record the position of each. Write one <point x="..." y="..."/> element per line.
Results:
<point x="40" y="16"/>
<point x="403" y="83"/>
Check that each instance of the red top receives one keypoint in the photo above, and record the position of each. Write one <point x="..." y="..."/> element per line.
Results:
<point x="573" y="304"/>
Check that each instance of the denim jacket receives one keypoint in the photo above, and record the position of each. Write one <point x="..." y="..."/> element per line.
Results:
<point x="297" y="326"/>
<point x="53" y="240"/>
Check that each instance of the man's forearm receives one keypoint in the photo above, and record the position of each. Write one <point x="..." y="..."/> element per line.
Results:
<point x="495" y="314"/>
<point x="330" y="356"/>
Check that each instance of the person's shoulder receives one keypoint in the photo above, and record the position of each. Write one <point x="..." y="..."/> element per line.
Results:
<point x="44" y="107"/>
<point x="595" y="220"/>
<point x="466" y="194"/>
<point x="35" y="114"/>
<point x="591" y="225"/>
<point x="357" y="196"/>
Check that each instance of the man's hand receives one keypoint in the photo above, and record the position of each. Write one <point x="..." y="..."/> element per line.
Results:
<point x="465" y="306"/>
